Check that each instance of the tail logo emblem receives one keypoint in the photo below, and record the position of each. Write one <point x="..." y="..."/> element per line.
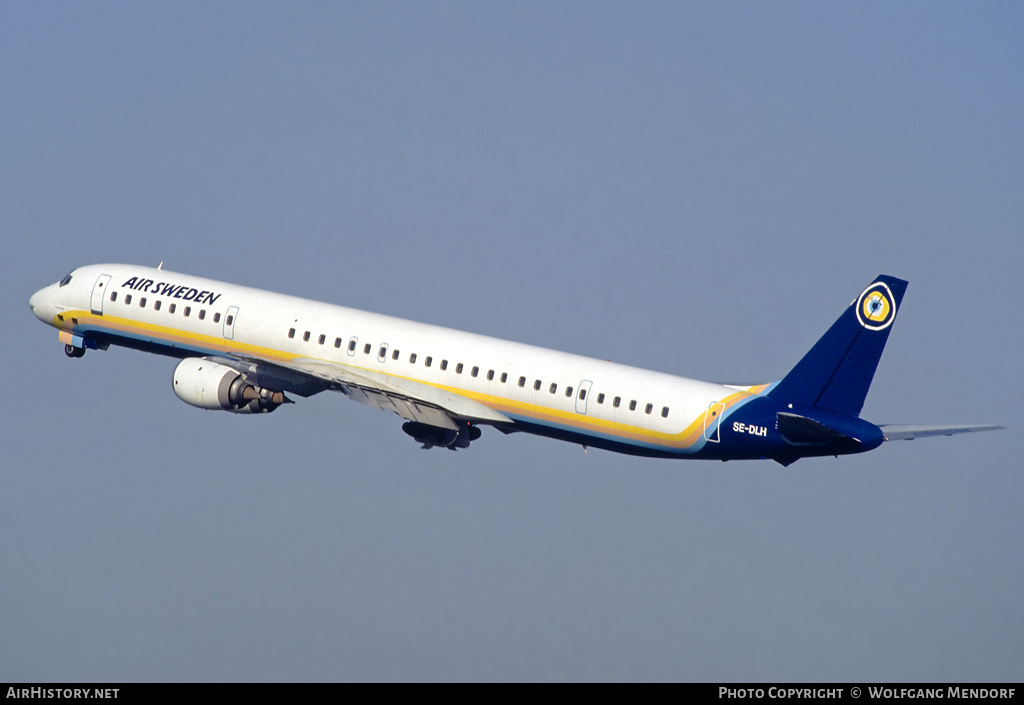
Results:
<point x="876" y="307"/>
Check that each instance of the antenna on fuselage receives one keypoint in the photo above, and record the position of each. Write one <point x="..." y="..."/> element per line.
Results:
<point x="161" y="265"/>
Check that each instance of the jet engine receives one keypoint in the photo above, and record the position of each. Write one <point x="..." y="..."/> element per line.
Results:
<point x="211" y="385"/>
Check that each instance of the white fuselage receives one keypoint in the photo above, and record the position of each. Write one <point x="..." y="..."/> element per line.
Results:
<point x="540" y="390"/>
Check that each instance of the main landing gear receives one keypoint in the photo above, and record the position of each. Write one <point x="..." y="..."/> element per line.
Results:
<point x="72" y="351"/>
<point x="432" y="436"/>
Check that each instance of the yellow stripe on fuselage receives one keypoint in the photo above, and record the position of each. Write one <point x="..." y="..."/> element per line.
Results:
<point x="169" y="336"/>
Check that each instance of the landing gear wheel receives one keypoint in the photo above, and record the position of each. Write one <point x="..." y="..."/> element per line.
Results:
<point x="72" y="351"/>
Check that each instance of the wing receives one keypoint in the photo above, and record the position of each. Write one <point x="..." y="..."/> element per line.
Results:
<point x="415" y="401"/>
<point x="908" y="433"/>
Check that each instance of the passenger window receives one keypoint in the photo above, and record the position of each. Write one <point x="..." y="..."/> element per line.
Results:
<point x="188" y="311"/>
<point x="394" y="355"/>
<point x="568" y="391"/>
<point x="202" y="314"/>
<point x="216" y="317"/>
<point x="156" y="305"/>
<point x="127" y="299"/>
<point x="230" y="320"/>
<point x="291" y="332"/>
<point x="412" y="359"/>
<point x="337" y="342"/>
<point x="458" y="369"/>
<point x="322" y="339"/>
<point x="475" y="372"/>
<point x="553" y="388"/>
<point x="649" y="408"/>
<point x="583" y="394"/>
<point x="632" y="405"/>
<point x="382" y="354"/>
<point x="444" y="364"/>
<point x="490" y="375"/>
<point x="366" y="349"/>
<point x="142" y="302"/>
<point x="352" y="345"/>
<point x="522" y="381"/>
<point x="616" y="401"/>
<point x="504" y="377"/>
<point x="305" y="336"/>
<point x="600" y="398"/>
<point x="664" y="412"/>
<point x="173" y="308"/>
<point x="113" y="296"/>
<point x="536" y="385"/>
<point x="426" y="363"/>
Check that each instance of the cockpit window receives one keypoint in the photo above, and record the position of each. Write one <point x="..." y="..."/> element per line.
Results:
<point x="65" y="281"/>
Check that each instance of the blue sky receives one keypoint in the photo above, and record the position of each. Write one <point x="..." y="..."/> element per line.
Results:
<point x="696" y="188"/>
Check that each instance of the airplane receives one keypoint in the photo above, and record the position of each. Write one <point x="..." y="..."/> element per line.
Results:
<point x="242" y="349"/>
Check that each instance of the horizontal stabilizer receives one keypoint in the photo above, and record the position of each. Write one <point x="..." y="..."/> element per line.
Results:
<point x="801" y="431"/>
<point x="908" y="433"/>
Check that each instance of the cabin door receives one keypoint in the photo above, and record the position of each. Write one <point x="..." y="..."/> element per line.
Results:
<point x="711" y="421"/>
<point x="582" y="392"/>
<point x="229" y="322"/>
<point x="99" y="289"/>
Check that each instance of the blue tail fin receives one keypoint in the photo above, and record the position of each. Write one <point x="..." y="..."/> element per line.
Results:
<point x="837" y="372"/>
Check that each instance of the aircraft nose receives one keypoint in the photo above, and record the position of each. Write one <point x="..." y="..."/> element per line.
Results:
<point x="39" y="303"/>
